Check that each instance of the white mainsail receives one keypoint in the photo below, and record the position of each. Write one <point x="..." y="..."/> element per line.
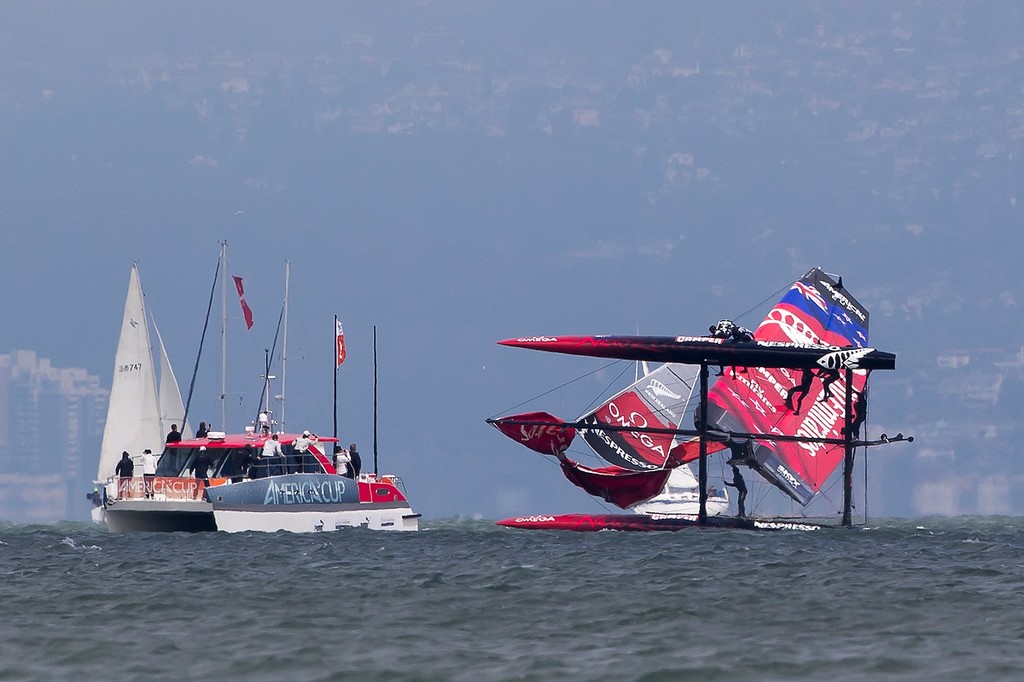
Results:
<point x="133" y="415"/>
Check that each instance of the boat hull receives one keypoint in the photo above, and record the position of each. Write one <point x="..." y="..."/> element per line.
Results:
<point x="643" y="522"/>
<point x="700" y="350"/>
<point x="299" y="503"/>
<point x="160" y="516"/>
<point x="326" y="518"/>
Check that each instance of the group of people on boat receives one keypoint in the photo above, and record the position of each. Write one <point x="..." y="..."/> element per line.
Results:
<point x="245" y="462"/>
<point x="347" y="462"/>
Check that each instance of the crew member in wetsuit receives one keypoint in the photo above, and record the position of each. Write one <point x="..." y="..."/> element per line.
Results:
<point x="741" y="491"/>
<point x="730" y="333"/>
<point x="807" y="376"/>
<point x="727" y="329"/>
<point x="860" y="413"/>
<point x="742" y="452"/>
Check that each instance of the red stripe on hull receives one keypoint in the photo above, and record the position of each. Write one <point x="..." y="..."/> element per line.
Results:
<point x="635" y="522"/>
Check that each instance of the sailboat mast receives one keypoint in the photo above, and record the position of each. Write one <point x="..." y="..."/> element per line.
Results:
<point x="284" y="346"/>
<point x="848" y="452"/>
<point x="702" y="469"/>
<point x="223" y="334"/>
<point x="375" y="400"/>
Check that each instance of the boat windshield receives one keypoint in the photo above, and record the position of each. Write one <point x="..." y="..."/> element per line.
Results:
<point x="236" y="463"/>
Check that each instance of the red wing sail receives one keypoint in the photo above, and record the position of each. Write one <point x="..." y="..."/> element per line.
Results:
<point x="815" y="311"/>
<point x="547" y="440"/>
<point x="616" y="485"/>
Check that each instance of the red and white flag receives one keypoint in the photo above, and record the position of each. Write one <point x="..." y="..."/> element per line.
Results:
<point x="340" y="343"/>
<point x="241" y="297"/>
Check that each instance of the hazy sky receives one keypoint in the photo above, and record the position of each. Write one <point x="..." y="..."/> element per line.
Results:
<point x="458" y="173"/>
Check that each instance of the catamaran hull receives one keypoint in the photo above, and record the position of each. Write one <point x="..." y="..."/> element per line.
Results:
<point x="400" y="518"/>
<point x="122" y="520"/>
<point x="698" y="350"/>
<point x="299" y="503"/>
<point x="160" y="517"/>
<point x="640" y="522"/>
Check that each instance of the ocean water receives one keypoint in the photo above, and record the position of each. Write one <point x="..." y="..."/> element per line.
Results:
<point x="467" y="600"/>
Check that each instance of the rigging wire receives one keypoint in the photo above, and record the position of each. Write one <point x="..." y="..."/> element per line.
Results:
<point x="202" y="338"/>
<point x="272" y="353"/>
<point x="552" y="390"/>
<point x="607" y="389"/>
<point x="774" y="296"/>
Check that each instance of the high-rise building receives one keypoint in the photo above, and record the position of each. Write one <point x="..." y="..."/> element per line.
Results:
<point x="51" y="426"/>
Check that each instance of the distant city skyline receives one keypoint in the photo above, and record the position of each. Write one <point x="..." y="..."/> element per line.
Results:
<point x="51" y="423"/>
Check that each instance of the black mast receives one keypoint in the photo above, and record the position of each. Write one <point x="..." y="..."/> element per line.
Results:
<point x="848" y="452"/>
<point x="702" y="469"/>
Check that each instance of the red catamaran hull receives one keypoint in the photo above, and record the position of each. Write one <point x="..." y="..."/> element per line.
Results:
<point x="696" y="350"/>
<point x="640" y="522"/>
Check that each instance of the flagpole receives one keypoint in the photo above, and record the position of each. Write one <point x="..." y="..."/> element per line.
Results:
<point x="374" y="400"/>
<point x="335" y="376"/>
<point x="224" y="336"/>
<point x="284" y="346"/>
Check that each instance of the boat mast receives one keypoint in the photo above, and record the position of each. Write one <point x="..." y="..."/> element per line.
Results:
<point x="284" y="345"/>
<point x="223" y="334"/>
<point x="848" y="452"/>
<point x="374" y="400"/>
<point x="702" y="469"/>
<point x="267" y="378"/>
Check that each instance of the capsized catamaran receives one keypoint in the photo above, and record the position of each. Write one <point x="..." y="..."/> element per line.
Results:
<point x="788" y="403"/>
<point x="636" y="477"/>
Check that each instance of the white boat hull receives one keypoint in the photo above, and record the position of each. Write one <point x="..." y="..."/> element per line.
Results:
<point x="299" y="503"/>
<point x="685" y="503"/>
<point x="398" y="518"/>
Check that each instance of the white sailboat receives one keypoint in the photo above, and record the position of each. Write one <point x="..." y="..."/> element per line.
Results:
<point x="141" y="410"/>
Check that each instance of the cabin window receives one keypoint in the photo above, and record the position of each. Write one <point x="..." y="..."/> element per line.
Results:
<point x="173" y="461"/>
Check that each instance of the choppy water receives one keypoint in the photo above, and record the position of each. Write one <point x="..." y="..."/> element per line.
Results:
<point x="466" y="600"/>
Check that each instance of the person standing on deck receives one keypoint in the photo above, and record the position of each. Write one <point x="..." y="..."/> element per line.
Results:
<point x="148" y="472"/>
<point x="202" y="431"/>
<point x="357" y="462"/>
<point x="272" y="455"/>
<point x="174" y="436"/>
<point x="300" y="448"/>
<point x="201" y="470"/>
<point x="125" y="469"/>
<point x="741" y="491"/>
<point x="342" y="462"/>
